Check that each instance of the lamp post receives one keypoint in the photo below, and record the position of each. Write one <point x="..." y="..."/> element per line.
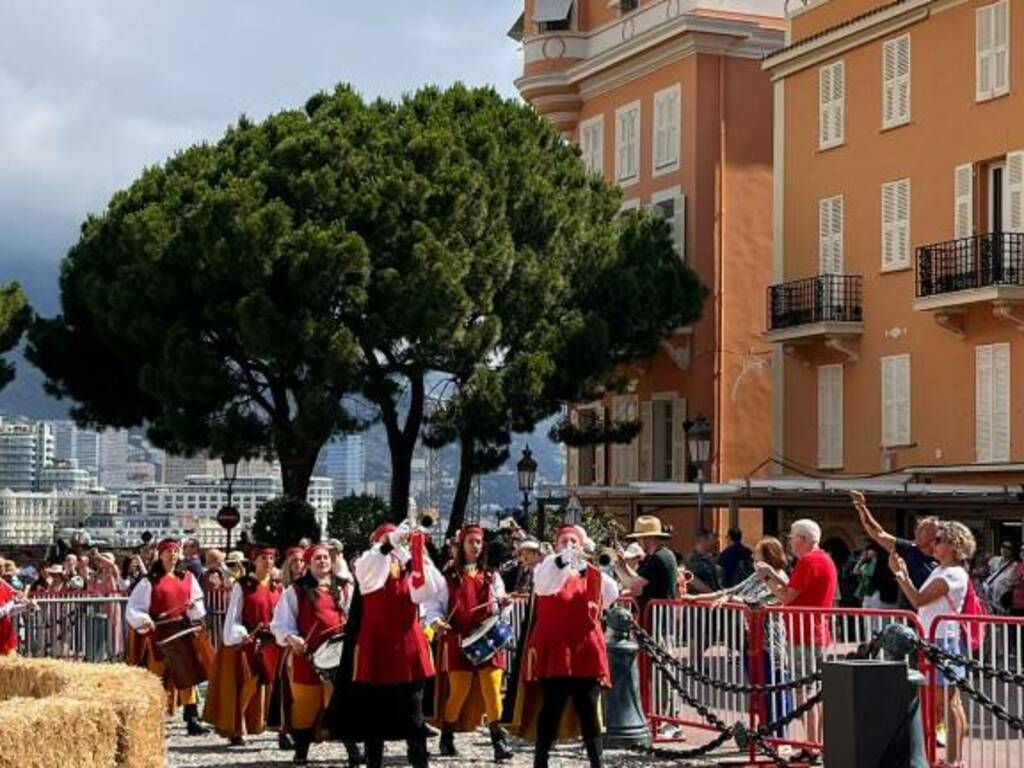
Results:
<point x="228" y="516"/>
<point x="698" y="440"/>
<point x="526" y="468"/>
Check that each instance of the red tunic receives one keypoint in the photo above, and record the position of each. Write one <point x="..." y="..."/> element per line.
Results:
<point x="169" y="599"/>
<point x="466" y="592"/>
<point x="391" y="648"/>
<point x="258" y="602"/>
<point x="317" y="622"/>
<point x="567" y="639"/>
<point x="8" y="635"/>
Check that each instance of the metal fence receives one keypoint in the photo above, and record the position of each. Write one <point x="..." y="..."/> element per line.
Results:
<point x="74" y="625"/>
<point x="993" y="258"/>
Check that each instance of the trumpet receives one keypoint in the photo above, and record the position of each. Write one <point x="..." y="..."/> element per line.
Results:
<point x="608" y="556"/>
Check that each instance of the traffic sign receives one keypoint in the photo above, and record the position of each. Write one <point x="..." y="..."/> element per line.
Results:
<point x="228" y="517"/>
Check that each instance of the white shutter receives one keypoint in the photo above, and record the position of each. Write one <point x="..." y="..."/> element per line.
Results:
<point x="630" y="468"/>
<point x="672" y="129"/>
<point x="572" y="455"/>
<point x="983" y="53"/>
<point x="599" y="449"/>
<point x="831" y="104"/>
<point x="1000" y="402"/>
<point x="903" y="79"/>
<point x="661" y="118"/>
<point x="1000" y="48"/>
<point x="896" y="224"/>
<point x="838" y="102"/>
<point x="896" y="81"/>
<point x="888" y="405"/>
<point x="646" y="439"/>
<point x="679" y="441"/>
<point x="824" y="101"/>
<point x="889" y="83"/>
<point x="963" y="201"/>
<point x="903" y="224"/>
<point x="1014" y="220"/>
<point x="621" y="146"/>
<point x="903" y="411"/>
<point x="896" y="400"/>
<point x="830" y="236"/>
<point x="888" y="226"/>
<point x="830" y="416"/>
<point x="983" y="403"/>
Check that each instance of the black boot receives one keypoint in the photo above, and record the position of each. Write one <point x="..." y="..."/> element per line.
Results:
<point x="192" y="724"/>
<point x="499" y="740"/>
<point x="374" y="754"/>
<point x="595" y="750"/>
<point x="354" y="756"/>
<point x="416" y="752"/>
<point x="302" y="742"/>
<point x="284" y="741"/>
<point x="541" y="750"/>
<point x="236" y="741"/>
<point x="447" y="745"/>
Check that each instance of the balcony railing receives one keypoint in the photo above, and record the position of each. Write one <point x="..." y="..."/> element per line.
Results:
<point x="820" y="299"/>
<point x="993" y="259"/>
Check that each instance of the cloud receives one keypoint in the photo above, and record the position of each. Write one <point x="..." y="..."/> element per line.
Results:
<point x="92" y="92"/>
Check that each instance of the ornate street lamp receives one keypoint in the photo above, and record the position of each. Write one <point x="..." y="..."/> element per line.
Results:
<point x="526" y="468"/>
<point x="228" y="517"/>
<point x="698" y="440"/>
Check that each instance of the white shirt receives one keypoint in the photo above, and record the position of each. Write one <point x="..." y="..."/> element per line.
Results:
<point x="137" y="610"/>
<point x="286" y="613"/>
<point x="374" y="568"/>
<point x="951" y="602"/>
<point x="437" y="608"/>
<point x="549" y="578"/>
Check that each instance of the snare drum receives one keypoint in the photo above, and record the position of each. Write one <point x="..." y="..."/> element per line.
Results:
<point x="189" y="657"/>
<point x="492" y="636"/>
<point x="327" y="658"/>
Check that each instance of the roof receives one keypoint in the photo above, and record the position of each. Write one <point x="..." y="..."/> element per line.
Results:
<point x="835" y="27"/>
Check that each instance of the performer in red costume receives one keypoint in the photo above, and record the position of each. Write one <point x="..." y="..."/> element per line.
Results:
<point x="391" y="659"/>
<point x="168" y="600"/>
<point x="566" y="655"/>
<point x="471" y="595"/>
<point x="12" y="603"/>
<point x="313" y="611"/>
<point x="238" y="696"/>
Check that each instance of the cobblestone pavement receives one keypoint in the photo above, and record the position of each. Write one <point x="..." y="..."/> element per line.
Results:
<point x="475" y="749"/>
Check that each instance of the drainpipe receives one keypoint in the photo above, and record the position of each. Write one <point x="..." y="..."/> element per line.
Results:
<point x="720" y="271"/>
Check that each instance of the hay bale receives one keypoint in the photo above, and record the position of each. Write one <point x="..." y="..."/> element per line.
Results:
<point x="56" y="730"/>
<point x="131" y="698"/>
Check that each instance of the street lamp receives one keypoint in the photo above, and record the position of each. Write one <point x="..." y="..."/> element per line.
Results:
<point x="698" y="440"/>
<point x="526" y="468"/>
<point x="228" y="516"/>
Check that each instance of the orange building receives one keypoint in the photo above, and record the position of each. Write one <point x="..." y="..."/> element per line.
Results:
<point x="668" y="99"/>
<point x="897" y="297"/>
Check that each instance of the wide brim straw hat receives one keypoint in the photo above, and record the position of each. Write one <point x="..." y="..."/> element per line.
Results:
<point x="234" y="558"/>
<point x="649" y="526"/>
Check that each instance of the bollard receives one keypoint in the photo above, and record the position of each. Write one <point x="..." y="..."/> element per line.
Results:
<point x="626" y="725"/>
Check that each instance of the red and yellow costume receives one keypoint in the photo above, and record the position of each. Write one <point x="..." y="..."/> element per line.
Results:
<point x="9" y="608"/>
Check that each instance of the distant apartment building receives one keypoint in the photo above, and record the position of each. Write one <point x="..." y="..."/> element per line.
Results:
<point x="30" y="518"/>
<point x="73" y="442"/>
<point x="177" y="468"/>
<point x="897" y="302"/>
<point x="344" y="461"/>
<point x="668" y="100"/>
<point x="65" y="475"/>
<point x="25" y="449"/>
<point x="112" y="459"/>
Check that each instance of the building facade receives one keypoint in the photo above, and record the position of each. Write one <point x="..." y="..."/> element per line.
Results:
<point x="65" y="475"/>
<point x="30" y="518"/>
<point x="897" y="301"/>
<point x="668" y="99"/>
<point x="344" y="461"/>
<point x="25" y="449"/>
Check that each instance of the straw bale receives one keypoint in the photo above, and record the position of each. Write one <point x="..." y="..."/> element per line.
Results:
<point x="56" y="730"/>
<point x="132" y="700"/>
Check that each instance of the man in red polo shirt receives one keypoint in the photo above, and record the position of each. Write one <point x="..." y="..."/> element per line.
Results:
<point x="812" y="585"/>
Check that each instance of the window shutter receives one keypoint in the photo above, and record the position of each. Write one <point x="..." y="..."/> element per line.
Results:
<point x="896" y="81"/>
<point x="838" y="102"/>
<point x="621" y="146"/>
<point x="903" y="223"/>
<point x="599" y="449"/>
<point x="963" y="203"/>
<point x="1015" y="192"/>
<point x="896" y="400"/>
<point x="903" y="79"/>
<point x="631" y="468"/>
<point x="661" y="131"/>
<point x="679" y="226"/>
<point x="572" y="455"/>
<point x="830" y="416"/>
<point x="888" y="226"/>
<point x="824" y="101"/>
<point x="672" y="130"/>
<point x="983" y="403"/>
<point x="1000" y="60"/>
<point x="903" y="412"/>
<point x="678" y="441"/>
<point x="824" y="237"/>
<point x="646" y="439"/>
<point x="983" y="33"/>
<point x="888" y="403"/>
<point x="1000" y="402"/>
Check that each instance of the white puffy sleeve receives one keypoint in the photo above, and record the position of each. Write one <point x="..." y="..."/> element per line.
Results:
<point x="137" y="610"/>
<point x="433" y="583"/>
<point x="609" y="591"/>
<point x="234" y="630"/>
<point x="285" y="621"/>
<point x="437" y="607"/>
<point x="372" y="570"/>
<point x="549" y="576"/>
<point x="197" y="611"/>
<point x="498" y="593"/>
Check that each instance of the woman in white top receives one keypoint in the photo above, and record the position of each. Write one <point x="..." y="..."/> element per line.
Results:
<point x="943" y="592"/>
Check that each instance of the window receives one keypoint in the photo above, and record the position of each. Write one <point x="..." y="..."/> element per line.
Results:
<point x="992" y="402"/>
<point x="1014" y="218"/>
<point x="671" y="205"/>
<point x="667" y="115"/>
<point x="661" y="440"/>
<point x="629" y="205"/>
<point x="963" y="201"/>
<point x="896" y="225"/>
<point x="624" y="456"/>
<point x="553" y="15"/>
<point x="830" y="235"/>
<point x="589" y="456"/>
<point x="627" y="143"/>
<point x="896" y="82"/>
<point x="831" y="97"/>
<point x="896" y="400"/>
<point x="992" y="50"/>
<point x="592" y="143"/>
<point x="830" y="416"/>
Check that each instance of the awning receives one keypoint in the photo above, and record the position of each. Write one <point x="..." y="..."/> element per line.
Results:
<point x="516" y="32"/>
<point x="551" y="10"/>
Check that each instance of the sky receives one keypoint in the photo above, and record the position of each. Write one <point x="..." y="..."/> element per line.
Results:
<point x="93" y="91"/>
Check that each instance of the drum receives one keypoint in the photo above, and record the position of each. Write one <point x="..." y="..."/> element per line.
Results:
<point x="189" y="657"/>
<point x="492" y="636"/>
<point x="327" y="658"/>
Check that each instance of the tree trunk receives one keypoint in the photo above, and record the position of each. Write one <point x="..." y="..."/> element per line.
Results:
<point x="402" y="440"/>
<point x="466" y="474"/>
<point x="296" y="469"/>
<point x="401" y="476"/>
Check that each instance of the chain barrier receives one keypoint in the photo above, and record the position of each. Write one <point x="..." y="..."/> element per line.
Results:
<point x="738" y="732"/>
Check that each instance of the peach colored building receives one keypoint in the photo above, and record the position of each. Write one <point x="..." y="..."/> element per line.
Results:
<point x="897" y="299"/>
<point x="668" y="99"/>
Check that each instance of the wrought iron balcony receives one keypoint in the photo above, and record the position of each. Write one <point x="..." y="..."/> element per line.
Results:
<point x="824" y="305"/>
<point x="970" y="270"/>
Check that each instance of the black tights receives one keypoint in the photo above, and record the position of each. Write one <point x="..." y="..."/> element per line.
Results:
<point x="586" y="698"/>
<point x="416" y="735"/>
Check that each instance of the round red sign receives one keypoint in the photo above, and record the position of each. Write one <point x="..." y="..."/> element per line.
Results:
<point x="228" y="517"/>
